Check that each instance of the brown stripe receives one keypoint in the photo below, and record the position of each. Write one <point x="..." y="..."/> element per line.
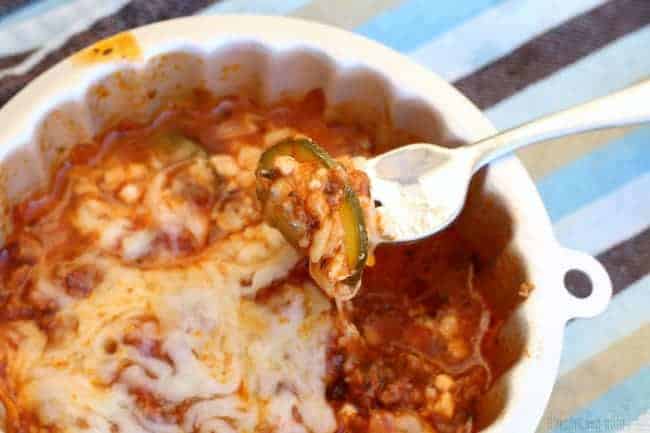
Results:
<point x="628" y="261"/>
<point x="13" y="59"/>
<point x="134" y="14"/>
<point x="553" y="50"/>
<point x="8" y="6"/>
<point x="343" y="13"/>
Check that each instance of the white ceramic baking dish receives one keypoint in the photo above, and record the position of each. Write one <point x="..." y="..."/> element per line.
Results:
<point x="130" y="75"/>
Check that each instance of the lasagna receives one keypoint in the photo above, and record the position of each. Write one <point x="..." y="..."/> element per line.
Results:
<point x="143" y="291"/>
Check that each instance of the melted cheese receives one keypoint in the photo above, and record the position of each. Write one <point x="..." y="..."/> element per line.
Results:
<point x="287" y="359"/>
<point x="189" y="339"/>
<point x="170" y="338"/>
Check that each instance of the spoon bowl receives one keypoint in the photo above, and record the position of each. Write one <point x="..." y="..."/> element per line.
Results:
<point x="421" y="188"/>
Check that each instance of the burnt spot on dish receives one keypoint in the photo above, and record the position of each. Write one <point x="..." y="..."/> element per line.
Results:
<point x="123" y="46"/>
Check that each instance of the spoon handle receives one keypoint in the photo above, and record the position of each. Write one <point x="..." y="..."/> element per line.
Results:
<point x="627" y="107"/>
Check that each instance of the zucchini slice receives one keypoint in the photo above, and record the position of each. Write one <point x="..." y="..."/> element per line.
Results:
<point x="356" y="237"/>
<point x="301" y="149"/>
<point x="355" y="240"/>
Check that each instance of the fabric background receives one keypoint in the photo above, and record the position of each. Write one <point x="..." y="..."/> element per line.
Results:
<point x="516" y="59"/>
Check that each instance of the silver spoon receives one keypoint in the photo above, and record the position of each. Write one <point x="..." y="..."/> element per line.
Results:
<point x="422" y="187"/>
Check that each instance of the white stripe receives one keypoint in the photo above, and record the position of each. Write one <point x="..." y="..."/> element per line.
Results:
<point x="259" y="7"/>
<point x="495" y="33"/>
<point x="616" y="65"/>
<point x="55" y="24"/>
<point x="609" y="220"/>
<point x="82" y="20"/>
<point x="626" y="313"/>
<point x="640" y="425"/>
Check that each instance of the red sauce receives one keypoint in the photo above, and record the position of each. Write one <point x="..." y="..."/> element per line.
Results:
<point x="403" y="313"/>
<point x="420" y="313"/>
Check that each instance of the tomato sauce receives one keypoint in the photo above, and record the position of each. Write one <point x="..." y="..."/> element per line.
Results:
<point x="424" y="338"/>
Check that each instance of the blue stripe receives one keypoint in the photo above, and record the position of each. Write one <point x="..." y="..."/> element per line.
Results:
<point x="626" y="313"/>
<point x="617" y="408"/>
<point x="417" y="21"/>
<point x="596" y="174"/>
<point x="34" y="9"/>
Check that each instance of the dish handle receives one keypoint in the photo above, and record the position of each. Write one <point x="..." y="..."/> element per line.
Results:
<point x="593" y="303"/>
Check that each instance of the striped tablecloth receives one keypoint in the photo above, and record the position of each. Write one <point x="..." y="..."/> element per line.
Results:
<point x="516" y="59"/>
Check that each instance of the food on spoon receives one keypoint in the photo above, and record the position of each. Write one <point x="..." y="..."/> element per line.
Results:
<point x="315" y="202"/>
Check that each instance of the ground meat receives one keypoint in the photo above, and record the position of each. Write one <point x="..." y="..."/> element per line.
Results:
<point x="80" y="281"/>
<point x="405" y="355"/>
